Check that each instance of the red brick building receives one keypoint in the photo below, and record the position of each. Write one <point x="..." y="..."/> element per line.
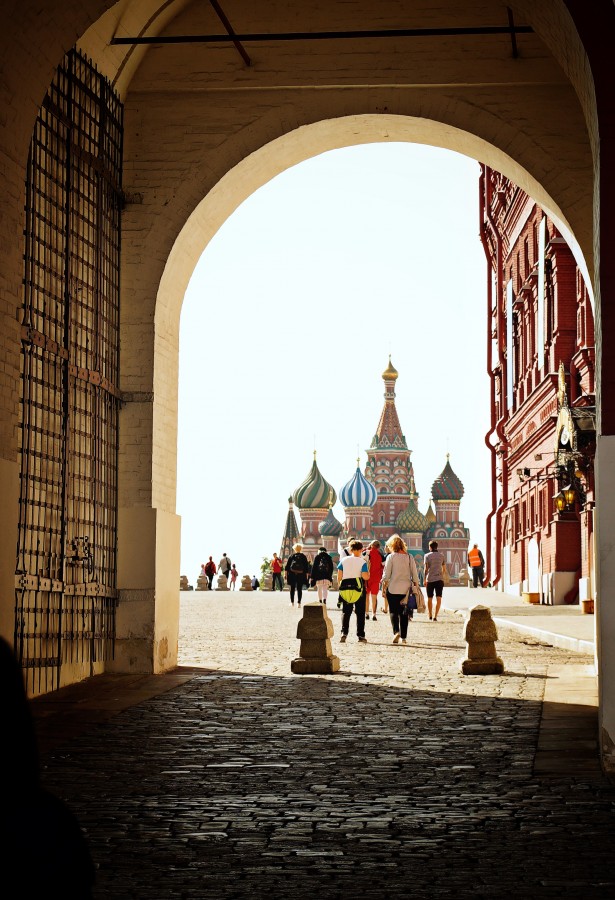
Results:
<point x="542" y="435"/>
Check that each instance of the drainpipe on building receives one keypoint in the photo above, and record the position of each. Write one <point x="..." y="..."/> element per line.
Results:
<point x="496" y="424"/>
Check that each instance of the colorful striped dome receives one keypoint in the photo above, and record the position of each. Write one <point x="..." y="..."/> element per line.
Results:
<point x="411" y="520"/>
<point x="358" y="492"/>
<point x="447" y="485"/>
<point x="330" y="527"/>
<point x="314" y="492"/>
<point x="430" y="516"/>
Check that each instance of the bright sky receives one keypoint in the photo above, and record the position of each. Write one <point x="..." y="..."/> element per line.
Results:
<point x="287" y="326"/>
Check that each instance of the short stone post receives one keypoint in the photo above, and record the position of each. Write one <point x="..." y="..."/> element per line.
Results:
<point x="202" y="584"/>
<point x="246" y="583"/>
<point x="314" y="631"/>
<point x="183" y="583"/>
<point x="481" y="634"/>
<point x="222" y="583"/>
<point x="267" y="581"/>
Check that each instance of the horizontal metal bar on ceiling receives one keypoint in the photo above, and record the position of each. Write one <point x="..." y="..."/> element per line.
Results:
<point x="325" y="35"/>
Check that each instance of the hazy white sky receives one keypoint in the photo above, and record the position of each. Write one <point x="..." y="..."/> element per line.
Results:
<point x="287" y="326"/>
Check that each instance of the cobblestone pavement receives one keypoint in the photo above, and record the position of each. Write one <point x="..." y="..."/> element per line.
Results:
<point x="396" y="777"/>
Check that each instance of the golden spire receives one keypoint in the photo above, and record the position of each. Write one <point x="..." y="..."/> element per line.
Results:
<point x="390" y="373"/>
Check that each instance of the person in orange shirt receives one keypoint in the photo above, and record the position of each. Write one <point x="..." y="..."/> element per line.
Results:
<point x="476" y="561"/>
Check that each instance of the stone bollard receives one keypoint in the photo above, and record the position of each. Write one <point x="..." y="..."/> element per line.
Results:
<point x="314" y="631"/>
<point x="202" y="584"/>
<point x="183" y="583"/>
<point x="246" y="583"/>
<point x="481" y="634"/>
<point x="267" y="581"/>
<point x="222" y="583"/>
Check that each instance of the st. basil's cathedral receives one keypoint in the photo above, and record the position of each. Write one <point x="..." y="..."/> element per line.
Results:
<point x="381" y="501"/>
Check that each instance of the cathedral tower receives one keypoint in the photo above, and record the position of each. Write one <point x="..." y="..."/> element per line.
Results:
<point x="389" y="468"/>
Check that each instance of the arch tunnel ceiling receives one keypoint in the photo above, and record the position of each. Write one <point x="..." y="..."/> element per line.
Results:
<point x="410" y="52"/>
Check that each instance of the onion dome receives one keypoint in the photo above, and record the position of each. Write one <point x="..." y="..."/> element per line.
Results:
<point x="314" y="492"/>
<point x="447" y="485"/>
<point x="390" y="373"/>
<point x="410" y="520"/>
<point x="430" y="516"/>
<point x="330" y="527"/>
<point x="358" y="491"/>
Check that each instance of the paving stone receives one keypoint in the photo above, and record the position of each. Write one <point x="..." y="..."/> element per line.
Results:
<point x="396" y="777"/>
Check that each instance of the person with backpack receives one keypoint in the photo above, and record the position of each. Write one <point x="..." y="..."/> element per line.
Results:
<point x="224" y="565"/>
<point x="352" y="577"/>
<point x="321" y="575"/>
<point x="297" y="569"/>
<point x="210" y="571"/>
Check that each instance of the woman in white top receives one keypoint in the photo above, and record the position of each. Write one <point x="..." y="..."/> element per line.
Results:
<point x="400" y="574"/>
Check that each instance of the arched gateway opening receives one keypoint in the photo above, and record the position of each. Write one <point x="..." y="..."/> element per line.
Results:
<point x="202" y="132"/>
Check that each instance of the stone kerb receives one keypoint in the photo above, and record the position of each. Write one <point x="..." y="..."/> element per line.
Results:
<point x="314" y="631"/>
<point x="480" y="633"/>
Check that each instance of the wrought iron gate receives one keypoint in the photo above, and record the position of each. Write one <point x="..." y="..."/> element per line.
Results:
<point x="65" y="584"/>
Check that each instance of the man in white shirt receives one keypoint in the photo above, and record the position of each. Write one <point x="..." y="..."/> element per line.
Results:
<point x="224" y="566"/>
<point x="350" y="569"/>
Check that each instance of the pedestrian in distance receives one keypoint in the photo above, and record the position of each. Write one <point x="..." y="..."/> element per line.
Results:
<point x="434" y="573"/>
<point x="203" y="571"/>
<point x="210" y="571"/>
<point x="255" y="583"/>
<point x="297" y="569"/>
<point x="476" y="561"/>
<point x="352" y="578"/>
<point x="234" y="574"/>
<point x="321" y="575"/>
<point x="224" y="566"/>
<point x="276" y="568"/>
<point x="375" y="564"/>
<point x="400" y="579"/>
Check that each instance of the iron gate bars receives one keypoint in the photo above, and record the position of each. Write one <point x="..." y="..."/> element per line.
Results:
<point x="65" y="583"/>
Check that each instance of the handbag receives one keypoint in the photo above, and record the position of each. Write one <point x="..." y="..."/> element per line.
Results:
<point x="420" y="602"/>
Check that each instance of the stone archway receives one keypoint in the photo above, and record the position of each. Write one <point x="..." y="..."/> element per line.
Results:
<point x="192" y="120"/>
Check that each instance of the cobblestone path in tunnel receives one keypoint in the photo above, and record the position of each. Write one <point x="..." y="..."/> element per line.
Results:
<point x="396" y="777"/>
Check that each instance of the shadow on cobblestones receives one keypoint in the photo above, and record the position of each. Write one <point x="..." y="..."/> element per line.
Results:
<point x="241" y="785"/>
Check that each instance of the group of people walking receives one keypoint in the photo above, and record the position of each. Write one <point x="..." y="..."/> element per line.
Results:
<point x="363" y="573"/>
<point x="225" y="567"/>
<point x="300" y="574"/>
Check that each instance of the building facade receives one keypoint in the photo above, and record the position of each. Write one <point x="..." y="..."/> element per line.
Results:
<point x="541" y="361"/>
<point x="383" y="499"/>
